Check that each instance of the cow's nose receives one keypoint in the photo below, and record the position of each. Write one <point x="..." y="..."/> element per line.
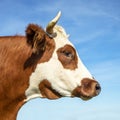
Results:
<point x="89" y="88"/>
<point x="97" y="88"/>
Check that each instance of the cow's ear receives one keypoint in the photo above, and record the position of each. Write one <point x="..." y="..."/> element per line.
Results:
<point x="35" y="38"/>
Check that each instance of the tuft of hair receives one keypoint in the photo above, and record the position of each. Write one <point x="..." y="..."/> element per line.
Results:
<point x="61" y="31"/>
<point x="34" y="32"/>
<point x="36" y="37"/>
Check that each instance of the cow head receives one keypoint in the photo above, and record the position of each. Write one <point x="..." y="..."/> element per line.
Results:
<point x="59" y="72"/>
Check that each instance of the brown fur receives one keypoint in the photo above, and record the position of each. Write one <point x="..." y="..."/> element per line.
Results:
<point x="35" y="37"/>
<point x="47" y="91"/>
<point x="17" y="61"/>
<point x="87" y="89"/>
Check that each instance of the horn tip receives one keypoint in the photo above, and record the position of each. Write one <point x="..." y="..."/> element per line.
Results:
<point x="59" y="13"/>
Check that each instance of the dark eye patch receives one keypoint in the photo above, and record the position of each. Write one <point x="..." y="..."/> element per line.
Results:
<point x="67" y="56"/>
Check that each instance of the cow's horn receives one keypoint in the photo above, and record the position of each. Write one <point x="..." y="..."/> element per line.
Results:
<point x="52" y="23"/>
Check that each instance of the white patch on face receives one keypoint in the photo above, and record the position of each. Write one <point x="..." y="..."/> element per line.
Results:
<point x="64" y="81"/>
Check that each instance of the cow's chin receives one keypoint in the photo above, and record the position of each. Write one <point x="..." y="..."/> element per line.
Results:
<point x="85" y="98"/>
<point x="47" y="91"/>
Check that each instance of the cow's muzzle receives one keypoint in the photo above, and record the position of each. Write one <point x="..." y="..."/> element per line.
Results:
<point x="89" y="88"/>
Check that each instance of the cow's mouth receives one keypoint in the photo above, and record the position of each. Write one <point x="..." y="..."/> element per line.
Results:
<point x="78" y="93"/>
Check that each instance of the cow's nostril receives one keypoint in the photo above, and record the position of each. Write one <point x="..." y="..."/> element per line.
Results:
<point x="97" y="88"/>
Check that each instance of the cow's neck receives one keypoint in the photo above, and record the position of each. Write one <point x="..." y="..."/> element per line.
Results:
<point x="11" y="102"/>
<point x="12" y="99"/>
<point x="14" y="78"/>
<point x="9" y="112"/>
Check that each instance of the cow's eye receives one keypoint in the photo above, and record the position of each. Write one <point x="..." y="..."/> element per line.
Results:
<point x="68" y="54"/>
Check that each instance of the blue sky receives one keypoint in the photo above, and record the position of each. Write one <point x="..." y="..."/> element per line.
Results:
<point x="94" y="28"/>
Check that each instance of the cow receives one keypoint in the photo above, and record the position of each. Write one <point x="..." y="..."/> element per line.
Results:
<point x="43" y="63"/>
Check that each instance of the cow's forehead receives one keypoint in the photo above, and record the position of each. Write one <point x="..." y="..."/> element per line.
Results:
<point x="61" y="38"/>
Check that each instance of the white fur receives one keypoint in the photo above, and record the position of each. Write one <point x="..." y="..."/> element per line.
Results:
<point x="62" y="80"/>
